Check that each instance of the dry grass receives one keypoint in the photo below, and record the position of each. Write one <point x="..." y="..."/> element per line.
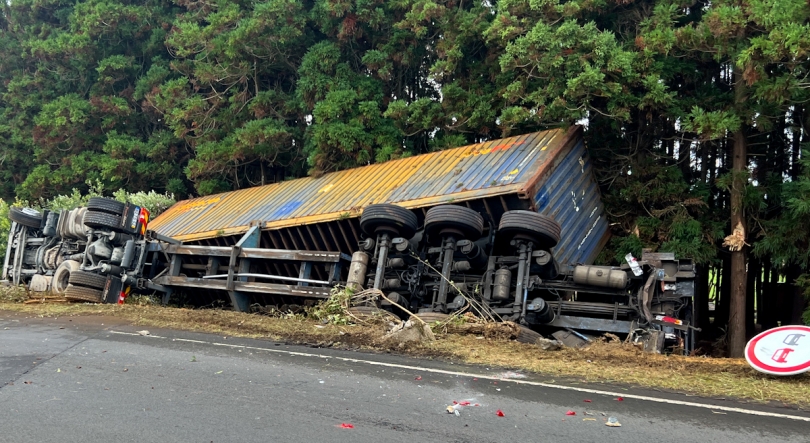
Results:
<point x="602" y="362"/>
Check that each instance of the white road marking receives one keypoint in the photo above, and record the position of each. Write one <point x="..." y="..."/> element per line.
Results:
<point x="490" y="377"/>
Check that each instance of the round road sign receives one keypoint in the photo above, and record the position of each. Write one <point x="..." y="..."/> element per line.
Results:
<point x="780" y="351"/>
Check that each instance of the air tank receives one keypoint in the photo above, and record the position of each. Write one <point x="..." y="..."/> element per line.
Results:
<point x="502" y="285"/>
<point x="602" y="276"/>
<point x="357" y="271"/>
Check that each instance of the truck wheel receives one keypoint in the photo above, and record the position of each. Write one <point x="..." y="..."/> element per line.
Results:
<point x="388" y="219"/>
<point x="96" y="219"/>
<point x="88" y="279"/>
<point x="460" y="221"/>
<point x="61" y="277"/>
<point x="526" y="335"/>
<point x="26" y="217"/>
<point x="78" y="293"/>
<point x="543" y="231"/>
<point x="108" y="205"/>
<point x="432" y="317"/>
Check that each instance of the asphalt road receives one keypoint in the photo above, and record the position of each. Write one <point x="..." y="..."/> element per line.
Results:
<point x="89" y="380"/>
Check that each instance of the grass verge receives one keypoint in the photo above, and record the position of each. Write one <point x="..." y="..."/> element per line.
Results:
<point x="602" y="362"/>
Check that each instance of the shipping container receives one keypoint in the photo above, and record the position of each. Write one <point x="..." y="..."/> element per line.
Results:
<point x="548" y="172"/>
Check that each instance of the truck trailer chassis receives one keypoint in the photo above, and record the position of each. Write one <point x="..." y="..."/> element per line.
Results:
<point x="509" y="227"/>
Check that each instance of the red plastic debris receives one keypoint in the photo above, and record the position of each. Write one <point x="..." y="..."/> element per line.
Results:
<point x="499" y="413"/>
<point x="477" y="404"/>
<point x="347" y="426"/>
<point x="475" y="379"/>
<point x="620" y="399"/>
<point x="570" y="413"/>
<point x="418" y="377"/>
<point x="464" y="403"/>
<point x="587" y="401"/>
<point x="455" y="402"/>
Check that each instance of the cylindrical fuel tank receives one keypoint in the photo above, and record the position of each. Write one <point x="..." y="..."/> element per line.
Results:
<point x="501" y="286"/>
<point x="602" y="276"/>
<point x="357" y="271"/>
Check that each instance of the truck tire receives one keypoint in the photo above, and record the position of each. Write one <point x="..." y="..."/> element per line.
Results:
<point x="526" y="335"/>
<point x="25" y="218"/>
<point x="61" y="276"/>
<point x="460" y="221"/>
<point x="79" y="293"/>
<point x="542" y="230"/>
<point x="388" y="219"/>
<point x="432" y="317"/>
<point x="96" y="219"/>
<point x="88" y="279"/>
<point x="108" y="205"/>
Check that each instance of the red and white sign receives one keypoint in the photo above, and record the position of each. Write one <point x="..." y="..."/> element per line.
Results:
<point x="780" y="351"/>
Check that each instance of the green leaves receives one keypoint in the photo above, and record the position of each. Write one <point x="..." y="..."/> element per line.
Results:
<point x="565" y="66"/>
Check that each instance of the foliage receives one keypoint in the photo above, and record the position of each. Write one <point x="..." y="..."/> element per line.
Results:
<point x="13" y="294"/>
<point x="5" y="227"/>
<point x="333" y="310"/>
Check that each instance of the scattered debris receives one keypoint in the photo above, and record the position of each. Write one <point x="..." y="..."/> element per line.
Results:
<point x="718" y="412"/>
<point x="410" y="331"/>
<point x="587" y="401"/>
<point x="144" y="332"/>
<point x="570" y="412"/>
<point x="613" y="422"/>
<point x="418" y="377"/>
<point x="619" y="398"/>
<point x="499" y="413"/>
<point x="588" y="419"/>
<point x="548" y="345"/>
<point x="347" y="426"/>
<point x="510" y="374"/>
<point x="452" y="410"/>
<point x="571" y="338"/>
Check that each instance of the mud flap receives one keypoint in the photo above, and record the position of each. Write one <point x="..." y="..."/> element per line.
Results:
<point x="112" y="290"/>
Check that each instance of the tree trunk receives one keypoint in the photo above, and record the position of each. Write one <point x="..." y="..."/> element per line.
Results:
<point x="702" y="314"/>
<point x="739" y="164"/>
<point x="754" y="274"/>
<point x="723" y="294"/>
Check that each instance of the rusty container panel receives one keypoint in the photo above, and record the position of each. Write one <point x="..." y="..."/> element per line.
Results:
<point x="570" y="195"/>
<point x="546" y="171"/>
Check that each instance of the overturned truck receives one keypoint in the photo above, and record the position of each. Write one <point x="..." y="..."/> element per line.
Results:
<point x="509" y="226"/>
